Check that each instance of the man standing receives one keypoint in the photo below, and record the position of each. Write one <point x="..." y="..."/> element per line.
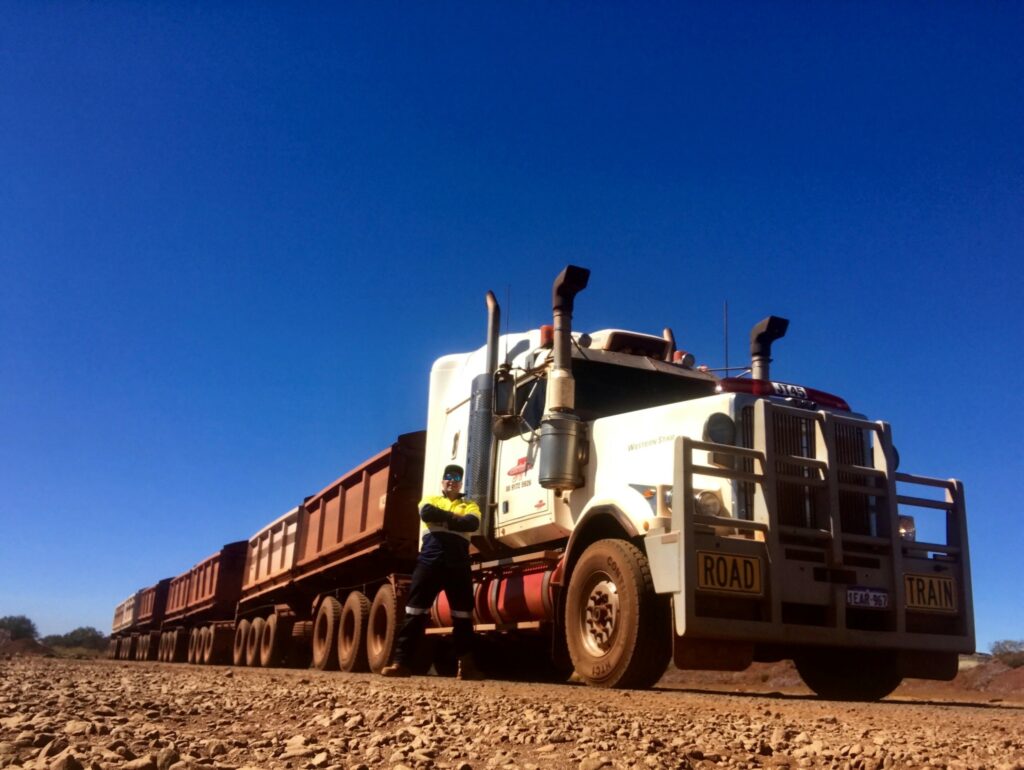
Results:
<point x="443" y="564"/>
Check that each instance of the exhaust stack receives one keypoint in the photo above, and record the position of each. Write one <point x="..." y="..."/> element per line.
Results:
<point x="482" y="446"/>
<point x="561" y="433"/>
<point x="764" y="333"/>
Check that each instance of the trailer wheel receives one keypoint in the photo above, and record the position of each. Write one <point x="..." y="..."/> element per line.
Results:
<point x="206" y="651"/>
<point x="204" y="645"/>
<point x="300" y="644"/>
<point x="382" y="628"/>
<point x="274" y="642"/>
<point x="355" y="615"/>
<point x="617" y="628"/>
<point x="325" y="635"/>
<point x="241" y="640"/>
<point x="845" y="674"/>
<point x="252" y="643"/>
<point x="193" y="642"/>
<point x="179" y="645"/>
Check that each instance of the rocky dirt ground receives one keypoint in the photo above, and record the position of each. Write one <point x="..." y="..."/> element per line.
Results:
<point x="93" y="715"/>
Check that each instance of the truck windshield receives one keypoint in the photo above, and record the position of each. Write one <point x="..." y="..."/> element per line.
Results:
<point x="604" y="389"/>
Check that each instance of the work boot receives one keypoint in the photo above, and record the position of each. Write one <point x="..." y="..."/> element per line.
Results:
<point x="396" y="669"/>
<point x="468" y="670"/>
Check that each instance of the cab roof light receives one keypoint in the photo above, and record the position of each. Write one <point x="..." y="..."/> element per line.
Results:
<point x="547" y="335"/>
<point x="684" y="359"/>
<point x="765" y="388"/>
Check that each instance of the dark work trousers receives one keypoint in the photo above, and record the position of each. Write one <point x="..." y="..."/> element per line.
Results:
<point x="428" y="580"/>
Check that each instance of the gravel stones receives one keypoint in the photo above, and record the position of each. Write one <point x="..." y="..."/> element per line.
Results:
<point x="117" y="715"/>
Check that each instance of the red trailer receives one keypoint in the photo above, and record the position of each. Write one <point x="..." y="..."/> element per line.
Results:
<point x="200" y="613"/>
<point x="316" y="575"/>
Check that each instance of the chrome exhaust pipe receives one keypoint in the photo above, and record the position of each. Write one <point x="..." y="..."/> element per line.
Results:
<point x="481" y="444"/>
<point x="764" y="333"/>
<point x="562" y="436"/>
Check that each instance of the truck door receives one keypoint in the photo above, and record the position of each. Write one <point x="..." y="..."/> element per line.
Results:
<point x="520" y="497"/>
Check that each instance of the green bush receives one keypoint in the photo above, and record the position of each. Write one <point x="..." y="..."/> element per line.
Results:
<point x="19" y="627"/>
<point x="85" y="636"/>
<point x="1009" y="651"/>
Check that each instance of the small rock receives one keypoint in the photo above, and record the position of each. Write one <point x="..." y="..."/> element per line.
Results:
<point x="66" y="762"/>
<point x="594" y="763"/>
<point x="142" y="763"/>
<point x="54" y="747"/>
<point x="166" y="757"/>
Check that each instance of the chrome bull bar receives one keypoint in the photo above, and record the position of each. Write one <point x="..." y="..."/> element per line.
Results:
<point x="789" y="583"/>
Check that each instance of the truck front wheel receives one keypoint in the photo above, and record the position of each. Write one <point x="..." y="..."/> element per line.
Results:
<point x="844" y="674"/>
<point x="617" y="628"/>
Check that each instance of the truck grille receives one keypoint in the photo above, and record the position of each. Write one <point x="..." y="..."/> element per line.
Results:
<point x="800" y="505"/>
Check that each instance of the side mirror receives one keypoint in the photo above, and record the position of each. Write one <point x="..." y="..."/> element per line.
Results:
<point x="504" y="393"/>
<point x="504" y="415"/>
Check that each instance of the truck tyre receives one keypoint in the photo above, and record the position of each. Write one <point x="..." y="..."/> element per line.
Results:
<point x="617" y="628"/>
<point x="179" y="645"/>
<point x="300" y="644"/>
<point x="195" y="645"/>
<point x="852" y="675"/>
<point x="274" y="642"/>
<point x="382" y="628"/>
<point x="325" y="635"/>
<point x="203" y="643"/>
<point x="355" y="615"/>
<point x="252" y="643"/>
<point x="218" y="647"/>
<point x="241" y="640"/>
<point x="206" y="652"/>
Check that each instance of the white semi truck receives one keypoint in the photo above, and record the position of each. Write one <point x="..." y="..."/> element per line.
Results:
<point x="638" y="510"/>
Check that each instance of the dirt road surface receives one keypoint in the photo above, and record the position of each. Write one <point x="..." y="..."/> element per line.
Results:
<point x="92" y="715"/>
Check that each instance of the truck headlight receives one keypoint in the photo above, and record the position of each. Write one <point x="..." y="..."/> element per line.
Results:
<point x="720" y="429"/>
<point x="708" y="503"/>
<point x="908" y="529"/>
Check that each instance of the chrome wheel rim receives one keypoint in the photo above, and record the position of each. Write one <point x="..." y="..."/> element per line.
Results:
<point x="600" y="616"/>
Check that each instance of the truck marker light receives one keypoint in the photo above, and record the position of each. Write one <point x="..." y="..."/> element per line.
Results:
<point x="768" y="388"/>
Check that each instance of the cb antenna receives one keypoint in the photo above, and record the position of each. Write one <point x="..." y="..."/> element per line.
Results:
<point x="508" y="312"/>
<point x="725" y="332"/>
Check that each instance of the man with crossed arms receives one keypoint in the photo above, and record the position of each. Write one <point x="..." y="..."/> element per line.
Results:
<point x="443" y="564"/>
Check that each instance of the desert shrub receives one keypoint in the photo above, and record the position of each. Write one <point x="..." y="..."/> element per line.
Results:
<point x="19" y="627"/>
<point x="1009" y="651"/>
<point x="84" y="636"/>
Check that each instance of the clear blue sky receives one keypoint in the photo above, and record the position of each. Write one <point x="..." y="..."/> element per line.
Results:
<point x="233" y="238"/>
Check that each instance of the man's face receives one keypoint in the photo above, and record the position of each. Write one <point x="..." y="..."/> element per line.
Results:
<point x="451" y="484"/>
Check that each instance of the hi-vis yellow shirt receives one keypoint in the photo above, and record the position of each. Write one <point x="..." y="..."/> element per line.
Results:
<point x="467" y="515"/>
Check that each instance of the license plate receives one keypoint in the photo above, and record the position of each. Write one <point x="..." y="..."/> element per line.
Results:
<point x="932" y="593"/>
<point x="869" y="598"/>
<point x="729" y="573"/>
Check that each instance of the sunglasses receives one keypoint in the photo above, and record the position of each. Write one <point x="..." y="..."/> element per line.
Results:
<point x="453" y="477"/>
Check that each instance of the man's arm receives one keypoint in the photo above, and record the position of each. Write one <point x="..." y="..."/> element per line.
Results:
<point x="465" y="517"/>
<point x="431" y="514"/>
